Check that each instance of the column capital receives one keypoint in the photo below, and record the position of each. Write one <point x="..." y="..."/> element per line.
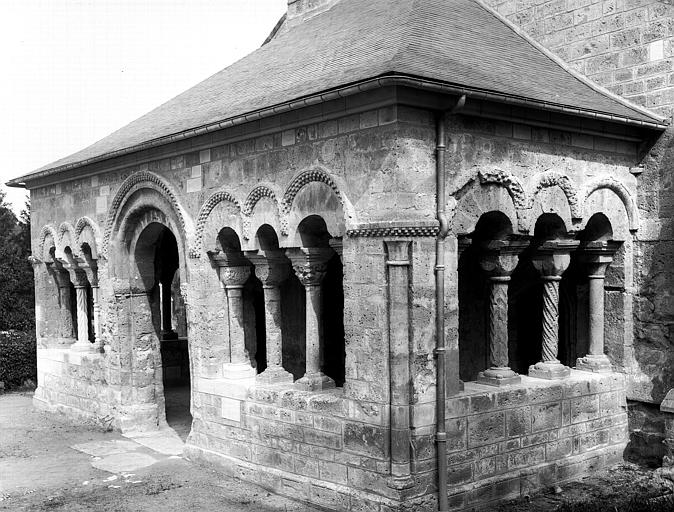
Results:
<point x="552" y="257"/>
<point x="271" y="266"/>
<point x="499" y="257"/>
<point x="310" y="263"/>
<point x="233" y="268"/>
<point x="77" y="275"/>
<point x="598" y="255"/>
<point x="90" y="268"/>
<point x="397" y="252"/>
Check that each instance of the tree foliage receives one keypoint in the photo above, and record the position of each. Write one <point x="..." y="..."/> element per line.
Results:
<point x="17" y="302"/>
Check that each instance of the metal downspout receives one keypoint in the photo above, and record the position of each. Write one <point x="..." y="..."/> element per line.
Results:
<point x="441" y="348"/>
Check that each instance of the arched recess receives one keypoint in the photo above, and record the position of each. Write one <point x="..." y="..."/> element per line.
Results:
<point x="147" y="181"/>
<point x="141" y="229"/>
<point x="497" y="195"/>
<point x="220" y="209"/>
<point x="314" y="192"/>
<point x="610" y="197"/>
<point x="46" y="241"/>
<point x="66" y="238"/>
<point x="49" y="326"/>
<point x="88" y="232"/>
<point x="261" y="208"/>
<point x="553" y="193"/>
<point x="473" y="292"/>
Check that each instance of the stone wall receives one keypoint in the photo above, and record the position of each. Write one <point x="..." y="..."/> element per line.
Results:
<point x="369" y="173"/>
<point x="627" y="46"/>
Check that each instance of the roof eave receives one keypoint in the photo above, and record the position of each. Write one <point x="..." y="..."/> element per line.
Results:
<point x="348" y="90"/>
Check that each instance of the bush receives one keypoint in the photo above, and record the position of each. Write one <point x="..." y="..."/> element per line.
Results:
<point x="18" y="358"/>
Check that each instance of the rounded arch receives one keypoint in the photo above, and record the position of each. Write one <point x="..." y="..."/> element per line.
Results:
<point x="205" y="211"/>
<point x="254" y="197"/>
<point x="613" y="185"/>
<point x="66" y="238"/>
<point x="88" y="232"/>
<point x="143" y="207"/>
<point x="268" y="211"/>
<point x="303" y="179"/>
<point x="512" y="185"/>
<point x="144" y="180"/>
<point x="46" y="240"/>
<point x="487" y="196"/>
<point x="548" y="179"/>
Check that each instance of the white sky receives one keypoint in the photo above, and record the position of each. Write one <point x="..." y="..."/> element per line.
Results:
<point x="76" y="70"/>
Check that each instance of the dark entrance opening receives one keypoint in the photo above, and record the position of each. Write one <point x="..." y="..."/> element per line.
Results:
<point x="170" y="323"/>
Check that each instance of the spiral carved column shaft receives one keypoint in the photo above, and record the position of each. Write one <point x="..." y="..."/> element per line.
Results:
<point x="82" y="318"/>
<point x="552" y="258"/>
<point x="550" y="319"/>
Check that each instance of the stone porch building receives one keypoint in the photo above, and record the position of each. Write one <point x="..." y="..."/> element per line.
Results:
<point x="404" y="256"/>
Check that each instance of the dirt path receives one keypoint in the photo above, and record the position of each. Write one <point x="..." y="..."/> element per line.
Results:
<point x="47" y="463"/>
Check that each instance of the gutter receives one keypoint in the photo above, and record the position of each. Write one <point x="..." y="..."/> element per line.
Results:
<point x="342" y="92"/>
<point x="441" y="346"/>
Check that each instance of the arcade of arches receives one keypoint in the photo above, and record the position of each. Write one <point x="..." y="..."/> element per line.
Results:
<point x="290" y="339"/>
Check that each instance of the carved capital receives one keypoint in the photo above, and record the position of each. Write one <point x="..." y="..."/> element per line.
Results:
<point x="398" y="252"/>
<point x="271" y="267"/>
<point x="598" y="255"/>
<point x="77" y="275"/>
<point x="499" y="257"/>
<point x="310" y="263"/>
<point x="552" y="258"/>
<point x="234" y="277"/>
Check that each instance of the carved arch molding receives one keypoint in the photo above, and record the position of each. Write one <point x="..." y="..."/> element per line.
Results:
<point x="524" y="198"/>
<point x="246" y="209"/>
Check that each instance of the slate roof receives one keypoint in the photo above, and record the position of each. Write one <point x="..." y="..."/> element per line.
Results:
<point x="457" y="42"/>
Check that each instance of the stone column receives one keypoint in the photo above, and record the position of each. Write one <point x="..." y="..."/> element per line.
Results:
<point x="90" y="268"/>
<point x="398" y="264"/>
<point x="167" y="332"/>
<point x="598" y="256"/>
<point x="67" y="331"/>
<point x="272" y="268"/>
<point x="310" y="265"/>
<point x="499" y="260"/>
<point x="234" y="271"/>
<point x="79" y="279"/>
<point x="551" y="259"/>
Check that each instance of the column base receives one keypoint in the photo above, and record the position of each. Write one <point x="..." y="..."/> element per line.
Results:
<point x="275" y="375"/>
<point x="401" y="482"/>
<point x="315" y="382"/>
<point x="238" y="371"/>
<point x="549" y="370"/>
<point x="498" y="376"/>
<point x="594" y="363"/>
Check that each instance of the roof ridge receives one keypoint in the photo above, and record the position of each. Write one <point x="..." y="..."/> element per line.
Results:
<point x="563" y="64"/>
